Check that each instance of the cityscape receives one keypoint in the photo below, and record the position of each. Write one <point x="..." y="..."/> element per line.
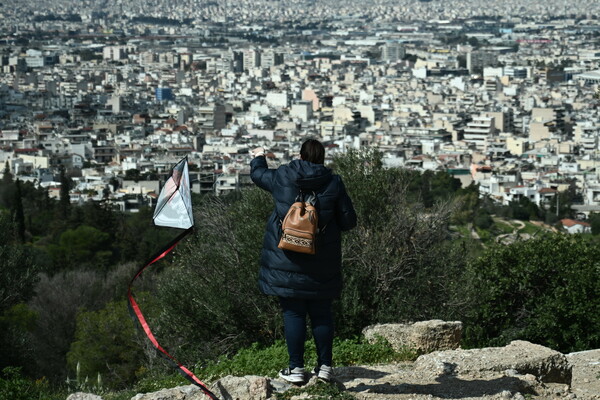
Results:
<point x="501" y="94"/>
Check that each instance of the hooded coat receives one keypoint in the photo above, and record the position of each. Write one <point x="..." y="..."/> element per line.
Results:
<point x="286" y="273"/>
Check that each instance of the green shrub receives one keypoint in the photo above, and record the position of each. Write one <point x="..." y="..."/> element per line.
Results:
<point x="209" y="295"/>
<point x="356" y="351"/>
<point x="18" y="276"/>
<point x="57" y="301"/>
<point x="398" y="263"/>
<point x="543" y="290"/>
<point x="84" y="246"/>
<point x="13" y="386"/>
<point x="483" y="220"/>
<point x="106" y="343"/>
<point x="16" y="325"/>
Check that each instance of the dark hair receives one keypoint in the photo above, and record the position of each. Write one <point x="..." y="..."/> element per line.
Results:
<point x="312" y="150"/>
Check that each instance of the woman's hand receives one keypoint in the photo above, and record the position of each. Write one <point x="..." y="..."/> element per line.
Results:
<point x="257" y="152"/>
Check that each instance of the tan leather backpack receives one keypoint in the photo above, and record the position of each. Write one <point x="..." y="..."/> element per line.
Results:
<point x="300" y="226"/>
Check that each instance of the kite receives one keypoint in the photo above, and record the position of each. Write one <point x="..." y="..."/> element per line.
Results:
<point x="173" y="209"/>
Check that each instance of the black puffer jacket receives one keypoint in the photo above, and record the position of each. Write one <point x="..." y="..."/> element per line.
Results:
<point x="296" y="275"/>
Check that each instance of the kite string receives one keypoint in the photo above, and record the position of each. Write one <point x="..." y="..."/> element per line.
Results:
<point x="136" y="312"/>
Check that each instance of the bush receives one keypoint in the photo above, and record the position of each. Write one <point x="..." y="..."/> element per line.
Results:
<point x="106" y="344"/>
<point x="16" y="325"/>
<point x="398" y="264"/>
<point x="13" y="386"/>
<point x="18" y="273"/>
<point x="483" y="220"/>
<point x="57" y="302"/>
<point x="84" y="246"/>
<point x="210" y="297"/>
<point x="544" y="290"/>
<point x="18" y="276"/>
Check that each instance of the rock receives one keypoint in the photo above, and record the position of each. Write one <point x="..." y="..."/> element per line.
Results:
<point x="586" y="373"/>
<point x="506" y="394"/>
<point x="249" y="387"/>
<point x="189" y="392"/>
<point x="83" y="396"/>
<point x="524" y="357"/>
<point x="424" y="336"/>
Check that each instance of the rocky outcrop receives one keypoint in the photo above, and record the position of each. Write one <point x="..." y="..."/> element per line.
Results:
<point x="242" y="388"/>
<point x="423" y="337"/>
<point x="227" y="388"/>
<point x="517" y="371"/>
<point x="189" y="392"/>
<point x="521" y="356"/>
<point x="83" y="396"/>
<point x="586" y="373"/>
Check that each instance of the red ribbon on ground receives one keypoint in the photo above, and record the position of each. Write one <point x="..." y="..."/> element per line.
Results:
<point x="136" y="312"/>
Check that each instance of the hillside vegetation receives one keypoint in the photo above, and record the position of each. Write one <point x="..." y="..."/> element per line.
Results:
<point x="425" y="248"/>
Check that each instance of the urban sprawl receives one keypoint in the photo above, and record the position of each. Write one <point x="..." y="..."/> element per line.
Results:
<point x="502" y="94"/>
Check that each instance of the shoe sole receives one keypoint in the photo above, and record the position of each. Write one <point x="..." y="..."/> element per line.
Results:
<point x="292" y="380"/>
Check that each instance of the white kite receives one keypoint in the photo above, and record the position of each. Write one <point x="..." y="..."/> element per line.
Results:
<point x="174" y="210"/>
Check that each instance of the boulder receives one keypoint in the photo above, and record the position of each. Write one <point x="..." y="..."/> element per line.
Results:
<point x="83" y="396"/>
<point x="524" y="357"/>
<point x="424" y="336"/>
<point x="586" y="373"/>
<point x="249" y="387"/>
<point x="188" y="392"/>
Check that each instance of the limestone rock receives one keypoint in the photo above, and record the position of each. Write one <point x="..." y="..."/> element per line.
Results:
<point x="524" y="357"/>
<point x="83" y="396"/>
<point x="189" y="392"/>
<point x="249" y="387"/>
<point x="424" y="336"/>
<point x="586" y="373"/>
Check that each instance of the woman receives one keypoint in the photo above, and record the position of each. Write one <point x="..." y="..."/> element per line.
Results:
<point x="305" y="284"/>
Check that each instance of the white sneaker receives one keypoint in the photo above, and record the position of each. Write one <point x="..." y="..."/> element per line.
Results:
<point x="324" y="372"/>
<point x="295" y="375"/>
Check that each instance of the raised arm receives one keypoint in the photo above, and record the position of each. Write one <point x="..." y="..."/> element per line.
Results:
<point x="261" y="174"/>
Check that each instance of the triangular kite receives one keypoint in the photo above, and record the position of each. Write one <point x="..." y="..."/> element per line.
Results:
<point x="174" y="205"/>
<point x="173" y="209"/>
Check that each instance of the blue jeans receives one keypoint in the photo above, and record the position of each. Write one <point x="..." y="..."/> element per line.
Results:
<point x="321" y="319"/>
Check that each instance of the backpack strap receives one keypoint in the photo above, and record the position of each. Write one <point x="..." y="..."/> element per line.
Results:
<point x="311" y="199"/>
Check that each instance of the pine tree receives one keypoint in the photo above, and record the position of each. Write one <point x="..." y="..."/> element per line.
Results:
<point x="7" y="178"/>
<point x="65" y="200"/>
<point x="18" y="215"/>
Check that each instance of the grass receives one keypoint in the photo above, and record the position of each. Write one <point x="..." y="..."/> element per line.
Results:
<point x="268" y="360"/>
<point x="500" y="227"/>
<point x="503" y="227"/>
<point x="531" y="228"/>
<point x="15" y="386"/>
